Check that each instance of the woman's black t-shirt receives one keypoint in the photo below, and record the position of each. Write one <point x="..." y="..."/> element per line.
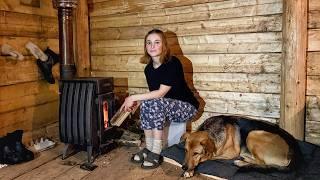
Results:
<point x="170" y="74"/>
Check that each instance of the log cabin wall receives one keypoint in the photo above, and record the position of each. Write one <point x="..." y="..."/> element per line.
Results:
<point x="231" y="50"/>
<point x="26" y="101"/>
<point x="313" y="74"/>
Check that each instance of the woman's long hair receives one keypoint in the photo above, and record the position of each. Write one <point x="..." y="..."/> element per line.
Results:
<point x="165" y="53"/>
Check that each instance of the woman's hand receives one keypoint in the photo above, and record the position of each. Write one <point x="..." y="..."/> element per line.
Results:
<point x="129" y="104"/>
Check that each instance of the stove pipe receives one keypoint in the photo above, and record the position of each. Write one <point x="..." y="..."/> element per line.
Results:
<point x="65" y="11"/>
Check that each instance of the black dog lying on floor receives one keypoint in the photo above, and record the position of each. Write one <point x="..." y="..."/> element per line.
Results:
<point x="12" y="151"/>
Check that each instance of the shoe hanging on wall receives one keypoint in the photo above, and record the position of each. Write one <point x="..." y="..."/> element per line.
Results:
<point x="8" y="50"/>
<point x="46" y="66"/>
<point x="36" y="51"/>
<point x="45" y="60"/>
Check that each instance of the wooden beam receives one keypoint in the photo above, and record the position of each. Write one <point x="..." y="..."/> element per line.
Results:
<point x="82" y="53"/>
<point x="293" y="74"/>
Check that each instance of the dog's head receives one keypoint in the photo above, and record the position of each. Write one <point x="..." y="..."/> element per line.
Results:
<point x="198" y="148"/>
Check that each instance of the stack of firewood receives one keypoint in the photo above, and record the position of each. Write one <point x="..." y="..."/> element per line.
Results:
<point x="128" y="138"/>
<point x="121" y="115"/>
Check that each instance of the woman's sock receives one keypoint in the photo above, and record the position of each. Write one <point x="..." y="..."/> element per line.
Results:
<point x="149" y="144"/>
<point x="157" y="147"/>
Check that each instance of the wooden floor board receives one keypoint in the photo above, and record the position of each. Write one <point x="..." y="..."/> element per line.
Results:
<point x="114" y="165"/>
<point x="14" y="171"/>
<point x="54" y="168"/>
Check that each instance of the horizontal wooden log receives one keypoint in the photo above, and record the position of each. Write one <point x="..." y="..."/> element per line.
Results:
<point x="19" y="18"/>
<point x="313" y="132"/>
<point x="264" y="83"/>
<point x="226" y="104"/>
<point x="133" y="90"/>
<point x="237" y="82"/>
<point x="314" y="40"/>
<point x="100" y="8"/>
<point x="249" y="104"/>
<point x="28" y="25"/>
<point x="228" y="43"/>
<point x="50" y="27"/>
<point x="219" y="7"/>
<point x="117" y="63"/>
<point x="18" y="43"/>
<point x="29" y="118"/>
<point x="258" y="47"/>
<point x="26" y="89"/>
<point x="200" y="39"/>
<point x="245" y="47"/>
<point x="46" y="29"/>
<point x="179" y="17"/>
<point x="313" y="84"/>
<point x="241" y="63"/>
<point x="205" y="115"/>
<point x="45" y="9"/>
<point x="111" y="3"/>
<point x="125" y="79"/>
<point x="313" y="63"/>
<point x="13" y="71"/>
<point x="314" y="5"/>
<point x="314" y="19"/>
<point x="24" y="95"/>
<point x="27" y="101"/>
<point x="313" y="109"/>
<point x="313" y="120"/>
<point x="233" y="25"/>
<point x="254" y="104"/>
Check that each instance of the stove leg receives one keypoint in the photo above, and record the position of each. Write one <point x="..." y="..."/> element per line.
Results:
<point x="88" y="165"/>
<point x="68" y="150"/>
<point x="89" y="152"/>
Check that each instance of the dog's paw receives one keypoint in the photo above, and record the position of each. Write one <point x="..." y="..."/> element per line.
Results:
<point x="240" y="163"/>
<point x="188" y="174"/>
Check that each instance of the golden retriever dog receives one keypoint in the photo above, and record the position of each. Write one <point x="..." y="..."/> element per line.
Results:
<point x="252" y="144"/>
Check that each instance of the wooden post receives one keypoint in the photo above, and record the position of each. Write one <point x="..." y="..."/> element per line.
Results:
<point x="293" y="71"/>
<point x="82" y="48"/>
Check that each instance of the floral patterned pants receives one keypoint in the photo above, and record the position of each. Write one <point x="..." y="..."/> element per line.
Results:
<point x="154" y="112"/>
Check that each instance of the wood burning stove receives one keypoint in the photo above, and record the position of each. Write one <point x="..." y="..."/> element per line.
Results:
<point x="86" y="105"/>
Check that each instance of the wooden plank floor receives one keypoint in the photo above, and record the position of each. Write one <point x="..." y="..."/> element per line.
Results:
<point x="113" y="165"/>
